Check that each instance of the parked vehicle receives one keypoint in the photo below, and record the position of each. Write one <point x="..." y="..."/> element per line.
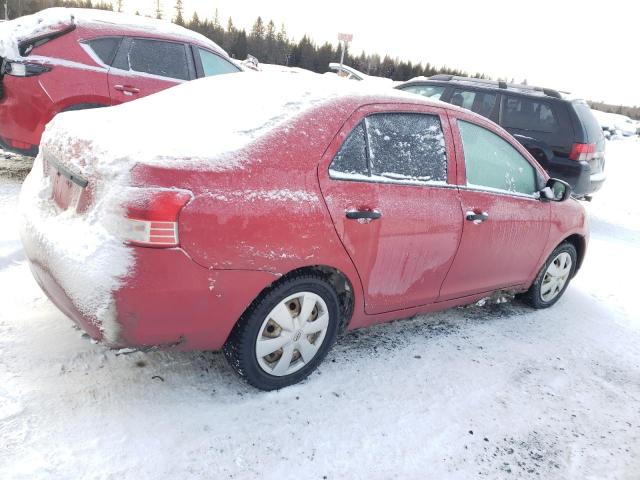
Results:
<point x="72" y="59"/>
<point x="302" y="208"/>
<point x="561" y="133"/>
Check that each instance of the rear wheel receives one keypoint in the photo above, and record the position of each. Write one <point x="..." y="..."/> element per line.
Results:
<point x="553" y="278"/>
<point x="286" y="333"/>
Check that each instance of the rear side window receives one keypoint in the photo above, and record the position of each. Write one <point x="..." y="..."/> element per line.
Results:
<point x="351" y="159"/>
<point x="407" y="146"/>
<point x="492" y="163"/>
<point x="479" y="102"/>
<point x="430" y="91"/>
<point x="105" y="48"/>
<point x="166" y="59"/>
<point x="212" y="64"/>
<point x="527" y="114"/>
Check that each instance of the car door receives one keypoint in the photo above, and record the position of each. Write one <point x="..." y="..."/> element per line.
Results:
<point x="387" y="180"/>
<point x="506" y="224"/>
<point x="144" y="66"/>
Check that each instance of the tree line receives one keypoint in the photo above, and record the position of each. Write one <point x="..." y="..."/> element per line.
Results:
<point x="271" y="44"/>
<point x="265" y="41"/>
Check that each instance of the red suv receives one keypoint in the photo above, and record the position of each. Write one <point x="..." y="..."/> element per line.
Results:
<point x="72" y="59"/>
<point x="298" y="210"/>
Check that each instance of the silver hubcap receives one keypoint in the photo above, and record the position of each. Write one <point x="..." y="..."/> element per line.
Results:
<point x="556" y="277"/>
<point x="291" y="335"/>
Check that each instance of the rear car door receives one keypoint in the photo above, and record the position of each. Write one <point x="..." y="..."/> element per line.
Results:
<point x="388" y="181"/>
<point x="506" y="225"/>
<point x="143" y="66"/>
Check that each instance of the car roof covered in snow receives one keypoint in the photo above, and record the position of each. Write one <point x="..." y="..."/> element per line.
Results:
<point x="55" y="19"/>
<point x="207" y="121"/>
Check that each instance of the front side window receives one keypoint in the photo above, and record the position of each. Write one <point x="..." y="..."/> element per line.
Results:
<point x="407" y="146"/>
<point x="212" y="64"/>
<point x="526" y="114"/>
<point x="430" y="91"/>
<point x="165" y="59"/>
<point x="492" y="163"/>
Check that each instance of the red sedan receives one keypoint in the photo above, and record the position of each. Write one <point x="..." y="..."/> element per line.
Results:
<point x="64" y="59"/>
<point x="295" y="211"/>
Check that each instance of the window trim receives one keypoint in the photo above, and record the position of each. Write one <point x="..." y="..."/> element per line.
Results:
<point x="371" y="178"/>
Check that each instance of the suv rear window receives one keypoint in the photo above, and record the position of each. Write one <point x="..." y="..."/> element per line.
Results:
<point x="166" y="59"/>
<point x="105" y="48"/>
<point x="589" y="122"/>
<point x="526" y="114"/>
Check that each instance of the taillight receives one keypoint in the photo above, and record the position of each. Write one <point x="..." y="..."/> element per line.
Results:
<point x="582" y="151"/>
<point x="25" y="69"/>
<point x="152" y="217"/>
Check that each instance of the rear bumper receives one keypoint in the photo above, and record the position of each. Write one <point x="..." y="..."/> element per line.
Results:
<point x="577" y="174"/>
<point x="168" y="300"/>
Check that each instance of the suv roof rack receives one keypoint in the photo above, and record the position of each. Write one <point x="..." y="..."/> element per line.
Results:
<point x="497" y="84"/>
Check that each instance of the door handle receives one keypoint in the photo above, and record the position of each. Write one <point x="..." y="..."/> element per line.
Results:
<point x="476" y="218"/>
<point x="364" y="214"/>
<point x="126" y="89"/>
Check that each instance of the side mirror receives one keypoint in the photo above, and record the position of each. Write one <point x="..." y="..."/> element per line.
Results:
<point x="556" y="190"/>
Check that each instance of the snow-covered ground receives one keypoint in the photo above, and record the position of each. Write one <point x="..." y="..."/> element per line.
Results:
<point x="499" y="391"/>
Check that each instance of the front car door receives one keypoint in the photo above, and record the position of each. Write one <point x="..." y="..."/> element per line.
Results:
<point x="144" y="66"/>
<point x="506" y="224"/>
<point x="388" y="181"/>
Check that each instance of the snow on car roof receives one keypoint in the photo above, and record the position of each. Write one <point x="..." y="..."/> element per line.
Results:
<point x="201" y="123"/>
<point x="54" y="19"/>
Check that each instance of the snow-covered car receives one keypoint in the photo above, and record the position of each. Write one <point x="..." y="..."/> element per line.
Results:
<point x="616" y="124"/>
<point x="305" y="206"/>
<point x="350" y="73"/>
<point x="63" y="59"/>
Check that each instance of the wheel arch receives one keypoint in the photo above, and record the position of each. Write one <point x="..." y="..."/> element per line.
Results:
<point x="334" y="276"/>
<point x="580" y="244"/>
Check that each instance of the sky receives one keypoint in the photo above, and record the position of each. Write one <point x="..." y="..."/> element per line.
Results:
<point x="589" y="48"/>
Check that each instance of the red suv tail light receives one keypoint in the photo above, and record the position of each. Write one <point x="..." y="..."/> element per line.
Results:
<point x="152" y="217"/>
<point x="582" y="151"/>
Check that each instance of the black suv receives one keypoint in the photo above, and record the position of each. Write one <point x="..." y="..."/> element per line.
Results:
<point x="561" y="133"/>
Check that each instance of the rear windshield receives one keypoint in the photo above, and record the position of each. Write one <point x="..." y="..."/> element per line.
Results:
<point x="590" y="123"/>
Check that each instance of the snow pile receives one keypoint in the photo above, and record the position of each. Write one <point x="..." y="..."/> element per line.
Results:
<point x="614" y="121"/>
<point x="56" y="19"/>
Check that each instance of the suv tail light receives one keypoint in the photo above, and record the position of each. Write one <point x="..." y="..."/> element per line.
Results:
<point x="582" y="152"/>
<point x="152" y="217"/>
<point x="25" y="69"/>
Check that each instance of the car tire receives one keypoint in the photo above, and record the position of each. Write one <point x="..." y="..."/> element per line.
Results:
<point x="286" y="332"/>
<point x="553" y="278"/>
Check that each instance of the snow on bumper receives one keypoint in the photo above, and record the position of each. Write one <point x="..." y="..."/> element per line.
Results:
<point x="74" y="256"/>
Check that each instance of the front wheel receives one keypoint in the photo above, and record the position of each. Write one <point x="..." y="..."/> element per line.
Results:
<point x="286" y="333"/>
<point x="553" y="278"/>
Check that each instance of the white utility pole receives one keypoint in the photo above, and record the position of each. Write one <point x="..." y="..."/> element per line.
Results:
<point x="345" y="38"/>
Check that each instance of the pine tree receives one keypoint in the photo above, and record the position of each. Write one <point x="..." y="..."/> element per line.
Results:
<point x="179" y="19"/>
<point x="119" y="3"/>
